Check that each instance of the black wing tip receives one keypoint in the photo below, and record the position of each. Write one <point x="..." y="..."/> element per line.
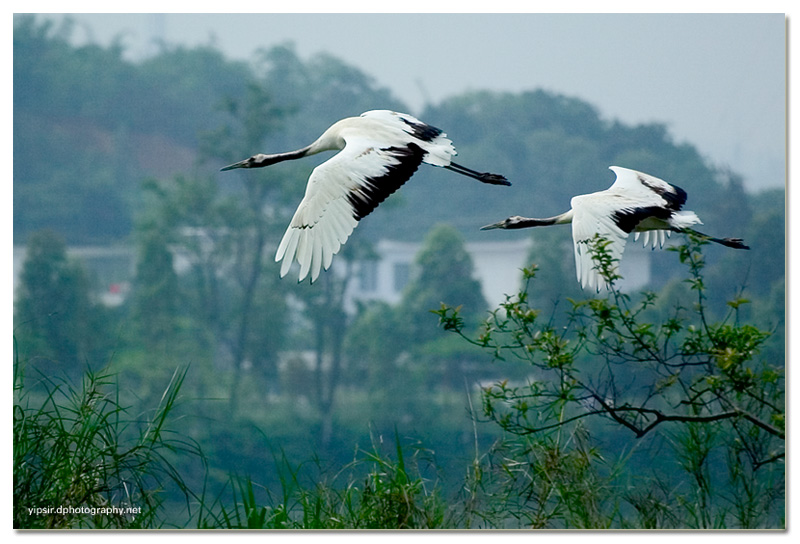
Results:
<point x="423" y="131"/>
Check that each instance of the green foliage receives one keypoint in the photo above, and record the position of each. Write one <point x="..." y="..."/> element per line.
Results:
<point x="374" y="491"/>
<point x="560" y="480"/>
<point x="702" y="382"/>
<point x="155" y="296"/>
<point x="83" y="460"/>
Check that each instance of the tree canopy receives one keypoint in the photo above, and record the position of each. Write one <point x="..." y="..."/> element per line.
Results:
<point x="108" y="123"/>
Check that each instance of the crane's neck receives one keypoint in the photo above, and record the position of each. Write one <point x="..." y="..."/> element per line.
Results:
<point x="526" y="222"/>
<point x="329" y="141"/>
<point x="261" y="160"/>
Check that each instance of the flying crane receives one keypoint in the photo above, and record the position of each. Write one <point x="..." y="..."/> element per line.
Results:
<point x="378" y="152"/>
<point x="636" y="202"/>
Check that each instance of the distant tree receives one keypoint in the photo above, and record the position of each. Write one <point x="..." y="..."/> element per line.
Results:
<point x="54" y="321"/>
<point x="223" y="243"/>
<point x="373" y="345"/>
<point x="61" y="94"/>
<point x="443" y="273"/>
<point x="383" y="360"/>
<point x="58" y="79"/>
<point x="323" y="309"/>
<point x="185" y="86"/>
<point x="155" y="293"/>
<point x="253" y="219"/>
<point x="767" y="237"/>
<point x="107" y="123"/>
<point x="224" y="231"/>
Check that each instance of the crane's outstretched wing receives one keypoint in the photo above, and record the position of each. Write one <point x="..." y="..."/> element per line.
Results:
<point x="656" y="200"/>
<point x="636" y="202"/>
<point x="646" y="189"/>
<point x="438" y="147"/>
<point x="595" y="215"/>
<point x="339" y="193"/>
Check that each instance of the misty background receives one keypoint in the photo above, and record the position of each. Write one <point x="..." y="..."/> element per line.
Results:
<point x="132" y="250"/>
<point x="717" y="81"/>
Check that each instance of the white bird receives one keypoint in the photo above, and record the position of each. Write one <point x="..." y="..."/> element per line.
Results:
<point x="379" y="151"/>
<point x="636" y="202"/>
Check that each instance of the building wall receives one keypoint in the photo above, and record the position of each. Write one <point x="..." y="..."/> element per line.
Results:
<point x="498" y="267"/>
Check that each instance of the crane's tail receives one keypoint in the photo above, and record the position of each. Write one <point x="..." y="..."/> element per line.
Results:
<point x="684" y="219"/>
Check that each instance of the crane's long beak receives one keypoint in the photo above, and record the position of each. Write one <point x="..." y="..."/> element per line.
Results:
<point x="500" y="225"/>
<point x="241" y="164"/>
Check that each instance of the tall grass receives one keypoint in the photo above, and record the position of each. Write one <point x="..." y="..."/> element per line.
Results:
<point x="374" y="491"/>
<point x="82" y="460"/>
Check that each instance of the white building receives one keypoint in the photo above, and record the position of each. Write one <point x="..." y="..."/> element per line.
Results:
<point x="498" y="266"/>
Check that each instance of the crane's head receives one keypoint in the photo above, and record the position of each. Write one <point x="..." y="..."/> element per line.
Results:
<point x="253" y="162"/>
<point x="512" y="222"/>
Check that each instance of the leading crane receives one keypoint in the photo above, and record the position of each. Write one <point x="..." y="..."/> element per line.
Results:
<point x="378" y="152"/>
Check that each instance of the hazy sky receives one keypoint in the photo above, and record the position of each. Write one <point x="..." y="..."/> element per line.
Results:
<point x="716" y="80"/>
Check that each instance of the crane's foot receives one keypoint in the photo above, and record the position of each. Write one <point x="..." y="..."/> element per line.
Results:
<point x="493" y="179"/>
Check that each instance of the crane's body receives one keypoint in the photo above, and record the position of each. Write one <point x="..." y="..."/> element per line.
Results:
<point x="636" y="202"/>
<point x="378" y="152"/>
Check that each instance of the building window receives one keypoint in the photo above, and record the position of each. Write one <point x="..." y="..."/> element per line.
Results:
<point x="368" y="276"/>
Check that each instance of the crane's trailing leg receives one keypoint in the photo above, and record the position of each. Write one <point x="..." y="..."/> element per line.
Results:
<point x="485" y="177"/>
<point x="735" y="243"/>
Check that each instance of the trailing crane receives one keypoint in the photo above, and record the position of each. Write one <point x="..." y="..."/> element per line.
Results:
<point x="636" y="202"/>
